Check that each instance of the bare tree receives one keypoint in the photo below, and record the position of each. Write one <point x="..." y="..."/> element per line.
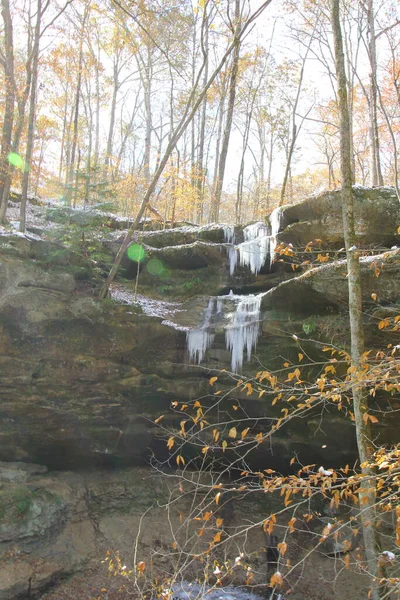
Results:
<point x="7" y="60"/>
<point x="360" y="401"/>
<point x="185" y="120"/>
<point x="229" y="116"/>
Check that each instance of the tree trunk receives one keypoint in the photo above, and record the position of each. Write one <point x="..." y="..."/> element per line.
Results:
<point x="8" y="117"/>
<point x="202" y="135"/>
<point x="229" y="116"/>
<point x="375" y="163"/>
<point x="360" y="400"/>
<point x="240" y="182"/>
<point x="31" y="119"/>
<point x="110" y="138"/>
<point x="70" y="174"/>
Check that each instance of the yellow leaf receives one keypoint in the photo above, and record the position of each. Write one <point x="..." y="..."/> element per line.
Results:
<point x="374" y="297"/>
<point x="249" y="388"/>
<point x="170" y="443"/>
<point x="301" y="356"/>
<point x="235" y="407"/>
<point x="179" y="460"/>
<point x="282" y="547"/>
<point x="213" y="380"/>
<point x="205" y="449"/>
<point x="244" y="433"/>
<point x="197" y="404"/>
<point x="141" y="566"/>
<point x="276" y="579"/>
<point x="217" y="498"/>
<point x="291" y="524"/>
<point x="292" y="461"/>
<point x="159" y="419"/>
<point x="219" y="522"/>
<point x="217" y="537"/>
<point x="232" y="432"/>
<point x="224" y="445"/>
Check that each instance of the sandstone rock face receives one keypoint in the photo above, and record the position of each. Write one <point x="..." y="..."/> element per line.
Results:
<point x="376" y="217"/>
<point x="82" y="382"/>
<point x="57" y="524"/>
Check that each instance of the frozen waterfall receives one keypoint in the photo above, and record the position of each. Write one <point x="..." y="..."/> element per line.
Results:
<point x="238" y="317"/>
<point x="199" y="340"/>
<point x="242" y="332"/>
<point x="258" y="245"/>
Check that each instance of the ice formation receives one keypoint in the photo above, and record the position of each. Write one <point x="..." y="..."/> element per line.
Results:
<point x="258" y="245"/>
<point x="199" y="340"/>
<point x="239" y="317"/>
<point x="229" y="233"/>
<point x="242" y="332"/>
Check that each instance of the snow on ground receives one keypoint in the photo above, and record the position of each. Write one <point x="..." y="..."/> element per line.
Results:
<point x="150" y="307"/>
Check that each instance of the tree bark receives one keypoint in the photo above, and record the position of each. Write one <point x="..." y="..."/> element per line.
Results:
<point x="202" y="135"/>
<point x="360" y="400"/>
<point x="31" y="118"/>
<point x="375" y="163"/>
<point x="70" y="173"/>
<point x="229" y="116"/>
<point x="8" y="117"/>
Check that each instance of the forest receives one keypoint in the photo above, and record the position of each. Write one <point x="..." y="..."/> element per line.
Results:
<point x="226" y="98"/>
<point x="199" y="299"/>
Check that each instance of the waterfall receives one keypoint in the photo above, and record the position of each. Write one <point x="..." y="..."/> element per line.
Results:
<point x="258" y="244"/>
<point x="255" y="249"/>
<point x="275" y="222"/>
<point x="238" y="317"/>
<point x="242" y="332"/>
<point x="199" y="340"/>
<point x="229" y="233"/>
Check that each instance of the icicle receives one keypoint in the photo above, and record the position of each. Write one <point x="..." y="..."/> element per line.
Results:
<point x="242" y="332"/>
<point x="241" y="328"/>
<point x="232" y="259"/>
<point x="255" y="230"/>
<point x="275" y="221"/>
<point x="255" y="249"/>
<point x="229" y="233"/>
<point x="199" y="340"/>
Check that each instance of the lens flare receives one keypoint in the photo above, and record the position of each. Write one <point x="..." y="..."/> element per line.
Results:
<point x="155" y="267"/>
<point x="136" y="252"/>
<point x="16" y="160"/>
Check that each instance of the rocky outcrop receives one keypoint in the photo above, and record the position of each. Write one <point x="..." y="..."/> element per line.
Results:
<point x="55" y="525"/>
<point x="376" y="218"/>
<point x="82" y="381"/>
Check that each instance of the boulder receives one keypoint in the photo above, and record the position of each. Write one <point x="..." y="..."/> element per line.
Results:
<point x="376" y="218"/>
